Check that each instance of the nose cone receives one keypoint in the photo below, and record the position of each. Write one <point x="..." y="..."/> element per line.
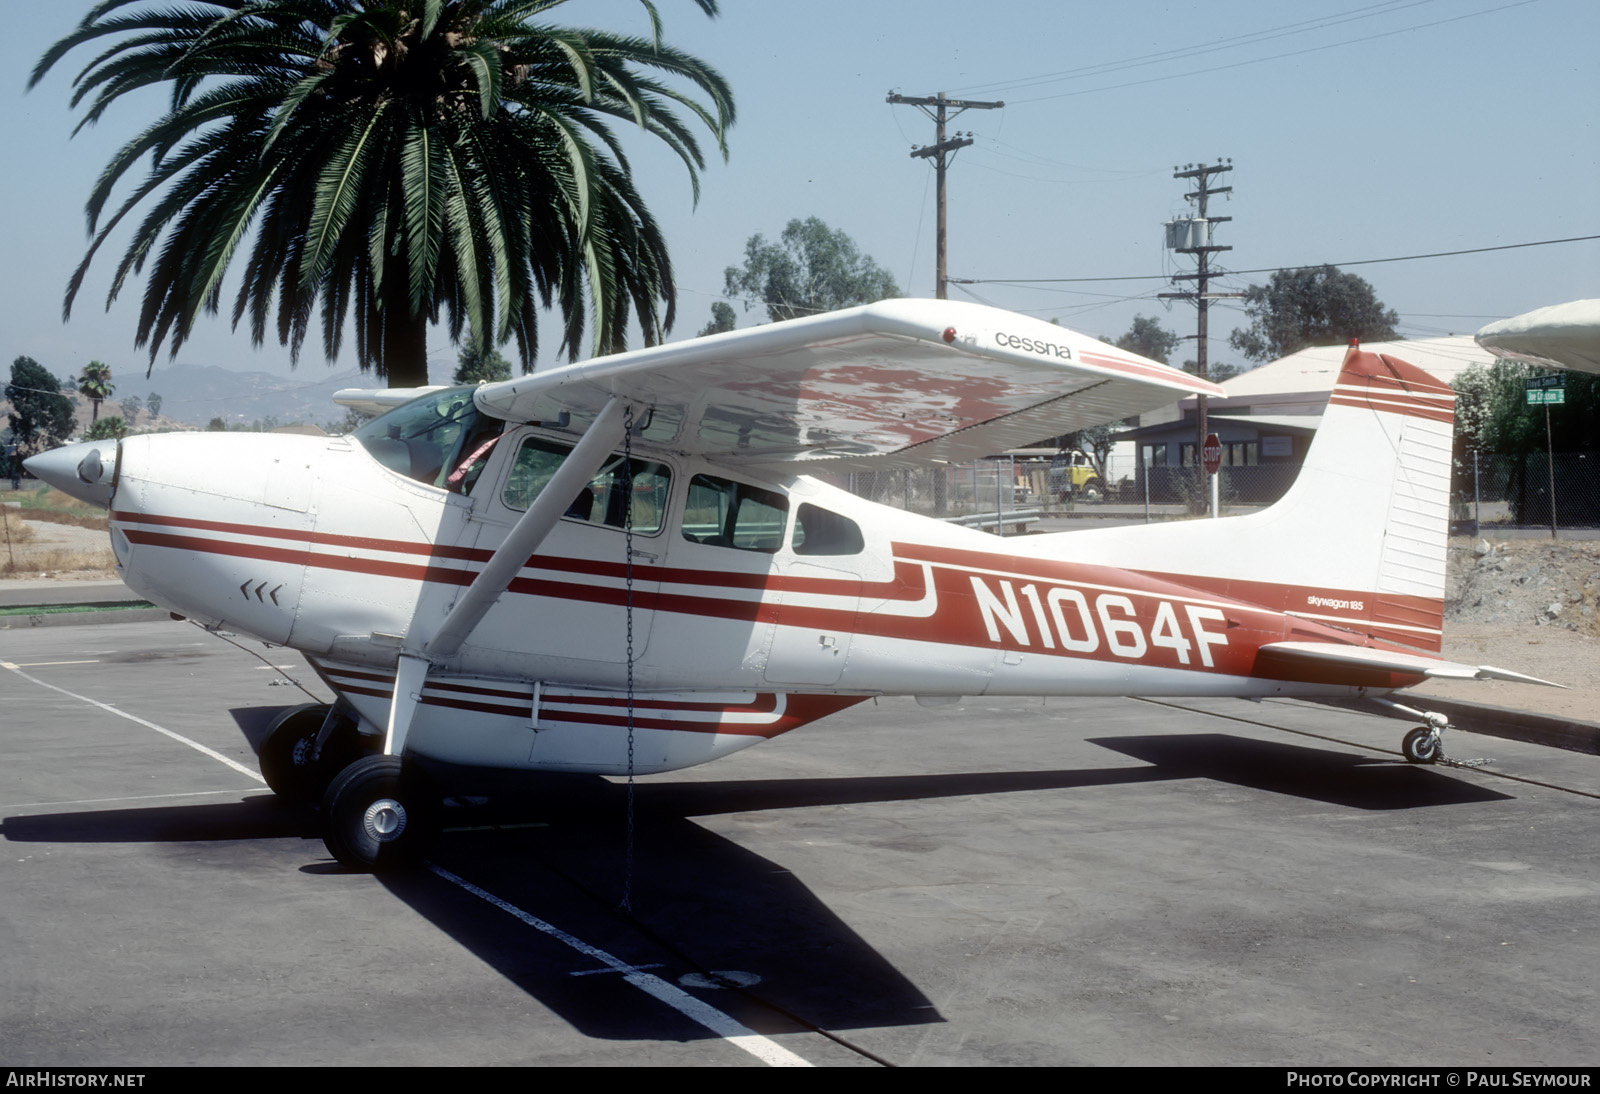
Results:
<point x="85" y="470"/>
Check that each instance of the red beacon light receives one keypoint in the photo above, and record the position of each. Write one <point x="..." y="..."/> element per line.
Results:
<point x="949" y="334"/>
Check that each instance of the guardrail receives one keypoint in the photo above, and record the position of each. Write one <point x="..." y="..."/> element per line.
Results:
<point x="1018" y="520"/>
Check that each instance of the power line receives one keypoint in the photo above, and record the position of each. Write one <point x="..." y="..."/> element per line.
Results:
<point x="1266" y="269"/>
<point x="1275" y="56"/>
<point x="1145" y="59"/>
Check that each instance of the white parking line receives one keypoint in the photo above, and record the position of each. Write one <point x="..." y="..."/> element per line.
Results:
<point x="133" y="798"/>
<point x="723" y="1025"/>
<point x="196" y="745"/>
<point x="767" y="1051"/>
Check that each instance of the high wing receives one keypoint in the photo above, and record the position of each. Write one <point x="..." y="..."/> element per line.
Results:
<point x="370" y="400"/>
<point x="1564" y="335"/>
<point x="899" y="383"/>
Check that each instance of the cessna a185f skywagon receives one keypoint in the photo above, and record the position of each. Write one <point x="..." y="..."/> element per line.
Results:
<point x="622" y="566"/>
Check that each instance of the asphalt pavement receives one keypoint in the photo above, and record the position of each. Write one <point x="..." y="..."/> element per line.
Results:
<point x="1088" y="881"/>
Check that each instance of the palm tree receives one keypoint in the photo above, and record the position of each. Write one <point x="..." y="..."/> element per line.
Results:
<point x="393" y="159"/>
<point x="96" y="386"/>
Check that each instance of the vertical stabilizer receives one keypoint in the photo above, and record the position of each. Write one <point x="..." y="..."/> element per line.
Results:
<point x="1360" y="538"/>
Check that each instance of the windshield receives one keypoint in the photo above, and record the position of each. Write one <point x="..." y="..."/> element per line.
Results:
<point x="440" y="439"/>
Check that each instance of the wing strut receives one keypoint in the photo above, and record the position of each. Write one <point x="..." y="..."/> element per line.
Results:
<point x="581" y="465"/>
<point x="587" y="457"/>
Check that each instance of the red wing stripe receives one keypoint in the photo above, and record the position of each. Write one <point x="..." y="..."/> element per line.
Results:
<point x="1123" y="364"/>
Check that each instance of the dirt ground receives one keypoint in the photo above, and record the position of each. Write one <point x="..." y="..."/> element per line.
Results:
<point x="61" y="551"/>
<point x="1533" y="582"/>
<point x="1529" y="605"/>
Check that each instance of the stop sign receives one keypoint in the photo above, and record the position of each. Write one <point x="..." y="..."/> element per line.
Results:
<point x="1211" y="454"/>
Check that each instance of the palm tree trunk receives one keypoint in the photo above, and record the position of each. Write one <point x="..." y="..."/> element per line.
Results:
<point x="405" y="346"/>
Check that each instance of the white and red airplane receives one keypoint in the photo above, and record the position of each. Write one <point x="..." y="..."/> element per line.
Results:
<point x="621" y="566"/>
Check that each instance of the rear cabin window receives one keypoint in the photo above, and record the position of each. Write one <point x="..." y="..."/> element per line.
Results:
<point x="818" y="531"/>
<point x="604" y="499"/>
<point x="724" y="513"/>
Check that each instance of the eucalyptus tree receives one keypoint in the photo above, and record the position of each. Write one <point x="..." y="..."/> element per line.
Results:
<point x="41" y="417"/>
<point x="812" y="268"/>
<point x="1311" y="306"/>
<point x="389" y="161"/>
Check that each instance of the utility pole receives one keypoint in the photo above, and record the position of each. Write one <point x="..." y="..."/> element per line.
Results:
<point x="940" y="152"/>
<point x="1192" y="235"/>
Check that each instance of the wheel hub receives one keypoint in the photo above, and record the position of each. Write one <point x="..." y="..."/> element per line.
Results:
<point x="384" y="820"/>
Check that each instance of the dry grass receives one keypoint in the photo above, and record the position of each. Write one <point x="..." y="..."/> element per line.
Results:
<point x="51" y="506"/>
<point x="26" y="552"/>
<point x="47" y="561"/>
<point x="13" y="528"/>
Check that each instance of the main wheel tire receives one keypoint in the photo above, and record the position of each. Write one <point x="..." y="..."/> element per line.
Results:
<point x="1421" y="746"/>
<point x="373" y="815"/>
<point x="289" y="759"/>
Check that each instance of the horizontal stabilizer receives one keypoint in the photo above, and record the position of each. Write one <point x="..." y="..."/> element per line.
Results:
<point x="1332" y="653"/>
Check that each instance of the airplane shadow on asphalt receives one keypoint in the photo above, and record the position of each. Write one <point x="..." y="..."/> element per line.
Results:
<point x="1337" y="778"/>
<point x="553" y="847"/>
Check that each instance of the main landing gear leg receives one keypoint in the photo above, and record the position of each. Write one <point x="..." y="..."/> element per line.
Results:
<point x="374" y="811"/>
<point x="1424" y="744"/>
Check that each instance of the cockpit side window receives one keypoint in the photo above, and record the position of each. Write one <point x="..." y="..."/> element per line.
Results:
<point x="818" y="531"/>
<point x="725" y="513"/>
<point x="440" y="439"/>
<point x="604" y="499"/>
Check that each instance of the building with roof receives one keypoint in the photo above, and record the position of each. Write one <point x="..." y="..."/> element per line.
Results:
<point x="1270" y="414"/>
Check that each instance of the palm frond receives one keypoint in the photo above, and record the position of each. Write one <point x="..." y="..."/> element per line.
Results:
<point x="386" y="163"/>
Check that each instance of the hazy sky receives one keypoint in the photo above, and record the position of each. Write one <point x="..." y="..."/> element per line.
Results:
<point x="1357" y="130"/>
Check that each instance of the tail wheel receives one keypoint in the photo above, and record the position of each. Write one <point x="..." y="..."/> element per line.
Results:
<point x="373" y="815"/>
<point x="1421" y="745"/>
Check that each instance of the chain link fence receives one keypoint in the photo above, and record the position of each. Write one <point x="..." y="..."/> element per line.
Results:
<point x="1535" y="490"/>
<point x="1487" y="491"/>
<point x="1016" y="489"/>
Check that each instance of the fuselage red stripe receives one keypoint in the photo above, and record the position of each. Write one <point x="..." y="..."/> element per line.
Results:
<point x="958" y="620"/>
